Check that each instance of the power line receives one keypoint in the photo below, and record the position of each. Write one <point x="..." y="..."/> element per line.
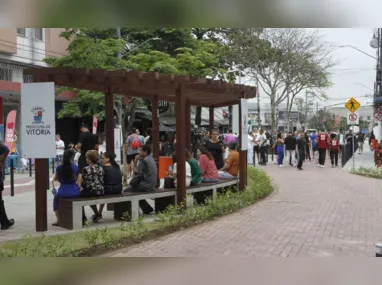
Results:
<point x="18" y="44"/>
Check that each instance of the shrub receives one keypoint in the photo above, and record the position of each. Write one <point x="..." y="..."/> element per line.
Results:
<point x="173" y="218"/>
<point x="368" y="172"/>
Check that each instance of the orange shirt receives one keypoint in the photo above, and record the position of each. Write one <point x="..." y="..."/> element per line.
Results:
<point x="233" y="160"/>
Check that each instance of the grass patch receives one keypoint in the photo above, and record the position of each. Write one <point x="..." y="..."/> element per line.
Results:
<point x="101" y="240"/>
<point x="368" y="172"/>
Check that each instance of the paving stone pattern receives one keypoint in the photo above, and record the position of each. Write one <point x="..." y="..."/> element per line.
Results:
<point x="314" y="213"/>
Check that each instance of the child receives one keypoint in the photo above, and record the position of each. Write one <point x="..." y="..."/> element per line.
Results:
<point x="24" y="164"/>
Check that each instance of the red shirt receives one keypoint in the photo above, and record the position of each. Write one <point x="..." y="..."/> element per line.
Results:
<point x="322" y="140"/>
<point x="334" y="145"/>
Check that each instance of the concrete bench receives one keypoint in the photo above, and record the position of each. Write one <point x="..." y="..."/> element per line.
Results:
<point x="206" y="190"/>
<point x="70" y="210"/>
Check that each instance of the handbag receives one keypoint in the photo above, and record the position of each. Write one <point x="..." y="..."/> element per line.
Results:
<point x="169" y="183"/>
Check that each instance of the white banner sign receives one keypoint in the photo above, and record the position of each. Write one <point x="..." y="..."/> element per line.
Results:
<point x="235" y="119"/>
<point x="244" y="124"/>
<point x="38" y="120"/>
<point x="353" y="118"/>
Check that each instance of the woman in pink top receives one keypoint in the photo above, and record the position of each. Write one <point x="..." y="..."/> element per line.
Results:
<point x="207" y="165"/>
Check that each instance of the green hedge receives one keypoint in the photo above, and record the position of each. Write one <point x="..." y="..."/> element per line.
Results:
<point x="368" y="172"/>
<point x="100" y="240"/>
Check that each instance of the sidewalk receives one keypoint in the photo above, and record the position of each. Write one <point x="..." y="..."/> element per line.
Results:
<point x="317" y="212"/>
<point x="366" y="159"/>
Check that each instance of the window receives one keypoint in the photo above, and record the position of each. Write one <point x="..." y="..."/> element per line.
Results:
<point x="368" y="118"/>
<point x="5" y="74"/>
<point x="21" y="32"/>
<point x="38" y="34"/>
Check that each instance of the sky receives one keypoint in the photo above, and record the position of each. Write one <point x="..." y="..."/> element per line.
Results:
<point x="354" y="74"/>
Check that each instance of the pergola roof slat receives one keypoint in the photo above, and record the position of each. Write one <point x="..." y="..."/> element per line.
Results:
<point x="199" y="91"/>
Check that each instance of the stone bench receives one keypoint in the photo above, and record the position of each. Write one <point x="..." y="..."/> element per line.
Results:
<point x="70" y="210"/>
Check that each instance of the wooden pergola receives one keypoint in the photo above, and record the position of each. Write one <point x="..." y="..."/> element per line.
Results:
<point x="184" y="91"/>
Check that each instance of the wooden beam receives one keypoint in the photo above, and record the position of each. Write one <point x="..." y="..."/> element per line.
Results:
<point x="212" y="118"/>
<point x="181" y="132"/>
<point x="242" y="156"/>
<point x="155" y="133"/>
<point x="41" y="199"/>
<point x="109" y="117"/>
<point x="187" y="117"/>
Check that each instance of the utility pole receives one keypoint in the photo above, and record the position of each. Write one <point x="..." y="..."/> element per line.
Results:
<point x="119" y="36"/>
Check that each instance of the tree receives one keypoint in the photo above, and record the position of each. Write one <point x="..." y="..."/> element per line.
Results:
<point x="322" y="119"/>
<point x="284" y="61"/>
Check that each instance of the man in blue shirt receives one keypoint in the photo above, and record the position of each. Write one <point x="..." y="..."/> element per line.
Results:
<point x="313" y="139"/>
<point x="4" y="221"/>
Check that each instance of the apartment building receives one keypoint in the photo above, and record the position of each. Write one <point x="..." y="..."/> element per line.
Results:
<point x="22" y="48"/>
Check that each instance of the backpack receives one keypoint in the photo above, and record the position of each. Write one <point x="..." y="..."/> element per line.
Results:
<point x="136" y="143"/>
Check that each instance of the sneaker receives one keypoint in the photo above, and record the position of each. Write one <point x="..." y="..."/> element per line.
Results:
<point x="332" y="166"/>
<point x="281" y="165"/>
<point x="321" y="166"/>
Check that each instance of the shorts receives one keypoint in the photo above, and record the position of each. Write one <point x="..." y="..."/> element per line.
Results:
<point x="130" y="158"/>
<point x="360" y="144"/>
<point x="256" y="148"/>
<point x="315" y="148"/>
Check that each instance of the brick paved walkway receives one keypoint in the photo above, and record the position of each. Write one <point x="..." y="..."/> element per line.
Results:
<point x="316" y="212"/>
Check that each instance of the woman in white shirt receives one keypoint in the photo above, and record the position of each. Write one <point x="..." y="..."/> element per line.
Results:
<point x="251" y="144"/>
<point x="188" y="171"/>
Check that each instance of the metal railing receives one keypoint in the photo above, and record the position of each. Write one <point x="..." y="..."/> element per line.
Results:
<point x="347" y="152"/>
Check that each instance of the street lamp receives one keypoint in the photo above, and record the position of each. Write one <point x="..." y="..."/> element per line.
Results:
<point x="134" y="48"/>
<point x="357" y="49"/>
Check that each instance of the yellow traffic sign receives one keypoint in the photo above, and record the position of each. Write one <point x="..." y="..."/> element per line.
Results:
<point x="352" y="105"/>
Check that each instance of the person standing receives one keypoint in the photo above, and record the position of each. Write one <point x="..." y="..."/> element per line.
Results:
<point x="216" y="148"/>
<point x="60" y="148"/>
<point x="361" y="141"/>
<point x="313" y="140"/>
<point x="262" y="142"/>
<point x="279" y="147"/>
<point x="308" y="143"/>
<point x="334" y="150"/>
<point x="251" y="144"/>
<point x="290" y="146"/>
<point x="133" y="145"/>
<point x="371" y="138"/>
<point x="4" y="221"/>
<point x="87" y="141"/>
<point x="341" y="141"/>
<point x="300" y="149"/>
<point x="322" y="145"/>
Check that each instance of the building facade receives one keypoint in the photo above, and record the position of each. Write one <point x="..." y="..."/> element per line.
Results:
<point x="22" y="48"/>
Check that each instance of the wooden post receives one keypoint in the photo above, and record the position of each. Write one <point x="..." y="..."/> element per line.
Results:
<point x="41" y="165"/>
<point x="242" y="156"/>
<point x="212" y="118"/>
<point x="188" y="125"/>
<point x="109" y="117"/>
<point x="181" y="143"/>
<point x="155" y="133"/>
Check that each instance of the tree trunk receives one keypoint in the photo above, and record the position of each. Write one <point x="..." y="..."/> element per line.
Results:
<point x="288" y="115"/>
<point x="274" y="120"/>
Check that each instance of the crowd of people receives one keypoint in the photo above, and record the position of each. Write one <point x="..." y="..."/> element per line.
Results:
<point x="300" y="146"/>
<point x="83" y="172"/>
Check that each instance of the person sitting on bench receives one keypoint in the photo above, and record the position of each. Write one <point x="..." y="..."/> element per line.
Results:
<point x="196" y="172"/>
<point x="231" y="166"/>
<point x="145" y="178"/>
<point x="91" y="181"/>
<point x="66" y="175"/>
<point x="188" y="171"/>
<point x="112" y="178"/>
<point x="207" y="165"/>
